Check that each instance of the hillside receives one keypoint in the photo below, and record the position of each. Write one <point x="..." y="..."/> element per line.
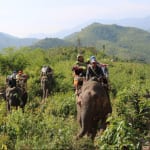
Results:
<point x="7" y="40"/>
<point x="124" y="42"/>
<point x="51" y="43"/>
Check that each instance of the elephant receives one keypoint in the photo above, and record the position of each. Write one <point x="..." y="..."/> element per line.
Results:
<point x="46" y="83"/>
<point x="15" y="96"/>
<point x="93" y="108"/>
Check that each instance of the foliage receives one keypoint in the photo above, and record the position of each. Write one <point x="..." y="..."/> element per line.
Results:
<point x="129" y="124"/>
<point x="53" y="125"/>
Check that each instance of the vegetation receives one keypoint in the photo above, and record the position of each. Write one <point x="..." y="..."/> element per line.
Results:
<point x="52" y="125"/>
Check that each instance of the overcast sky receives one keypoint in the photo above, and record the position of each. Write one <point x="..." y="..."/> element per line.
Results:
<point x="24" y="17"/>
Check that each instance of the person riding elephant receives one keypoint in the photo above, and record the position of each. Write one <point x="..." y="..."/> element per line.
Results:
<point x="94" y="70"/>
<point x="11" y="79"/>
<point x="79" y="72"/>
<point x="21" y="80"/>
<point x="97" y="70"/>
<point x="16" y="89"/>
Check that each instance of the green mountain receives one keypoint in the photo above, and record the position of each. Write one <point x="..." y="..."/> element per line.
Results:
<point x="51" y="43"/>
<point x="7" y="40"/>
<point x="124" y="42"/>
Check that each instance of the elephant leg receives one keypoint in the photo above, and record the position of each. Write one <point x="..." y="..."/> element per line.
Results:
<point x="82" y="132"/>
<point x="47" y="93"/>
<point x="8" y="107"/>
<point x="94" y="129"/>
<point x="103" y="125"/>
<point x="43" y="94"/>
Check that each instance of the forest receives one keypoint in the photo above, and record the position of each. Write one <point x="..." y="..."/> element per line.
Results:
<point x="53" y="125"/>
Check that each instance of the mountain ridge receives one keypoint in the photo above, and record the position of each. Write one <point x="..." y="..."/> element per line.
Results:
<point x="142" y="23"/>
<point x="7" y="40"/>
<point x="119" y="41"/>
<point x="124" y="42"/>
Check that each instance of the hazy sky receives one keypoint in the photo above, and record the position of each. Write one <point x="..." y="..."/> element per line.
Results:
<point x="24" y="17"/>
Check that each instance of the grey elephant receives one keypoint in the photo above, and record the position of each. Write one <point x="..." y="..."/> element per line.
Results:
<point x="93" y="106"/>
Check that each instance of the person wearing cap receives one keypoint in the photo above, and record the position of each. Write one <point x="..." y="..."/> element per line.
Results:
<point x="92" y="57"/>
<point x="98" y="70"/>
<point x="79" y="72"/>
<point x="94" y="69"/>
<point x="103" y="66"/>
